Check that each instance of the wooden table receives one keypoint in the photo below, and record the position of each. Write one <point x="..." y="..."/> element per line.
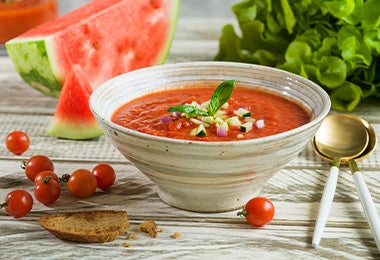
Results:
<point x="295" y="190"/>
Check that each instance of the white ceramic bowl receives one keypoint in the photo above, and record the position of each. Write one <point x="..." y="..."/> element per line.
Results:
<point x="208" y="176"/>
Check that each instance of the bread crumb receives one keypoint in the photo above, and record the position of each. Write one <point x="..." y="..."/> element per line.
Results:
<point x="131" y="236"/>
<point x="149" y="227"/>
<point x="176" y="235"/>
<point x="126" y="244"/>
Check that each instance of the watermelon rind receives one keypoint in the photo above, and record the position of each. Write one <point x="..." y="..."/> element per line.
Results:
<point x="31" y="60"/>
<point x="74" y="131"/>
<point x="174" y="18"/>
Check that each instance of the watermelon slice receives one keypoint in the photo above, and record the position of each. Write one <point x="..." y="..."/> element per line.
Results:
<point x="70" y="56"/>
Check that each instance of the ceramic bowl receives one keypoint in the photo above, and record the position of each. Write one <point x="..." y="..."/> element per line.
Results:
<point x="208" y="176"/>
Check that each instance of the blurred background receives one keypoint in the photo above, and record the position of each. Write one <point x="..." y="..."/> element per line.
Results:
<point x="189" y="8"/>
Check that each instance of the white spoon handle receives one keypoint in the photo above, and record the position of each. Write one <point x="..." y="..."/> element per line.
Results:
<point x="325" y="205"/>
<point x="368" y="206"/>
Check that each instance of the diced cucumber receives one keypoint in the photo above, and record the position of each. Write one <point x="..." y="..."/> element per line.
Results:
<point x="199" y="131"/>
<point x="218" y="120"/>
<point x="246" y="127"/>
<point x="207" y="119"/>
<point x="241" y="112"/>
<point x="233" y="121"/>
<point x="199" y="122"/>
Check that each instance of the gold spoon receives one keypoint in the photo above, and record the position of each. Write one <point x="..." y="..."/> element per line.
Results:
<point x="364" y="194"/>
<point x="339" y="139"/>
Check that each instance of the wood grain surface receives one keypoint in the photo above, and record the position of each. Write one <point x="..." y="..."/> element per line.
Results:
<point x="295" y="190"/>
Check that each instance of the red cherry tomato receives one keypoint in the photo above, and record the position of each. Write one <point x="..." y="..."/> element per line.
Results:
<point x="105" y="175"/>
<point x="47" y="191"/>
<point x="41" y="176"/>
<point x="18" y="203"/>
<point x="37" y="164"/>
<point x="17" y="142"/>
<point x="82" y="183"/>
<point x="258" y="211"/>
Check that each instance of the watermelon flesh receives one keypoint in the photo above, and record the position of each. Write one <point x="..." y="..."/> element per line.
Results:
<point x="72" y="55"/>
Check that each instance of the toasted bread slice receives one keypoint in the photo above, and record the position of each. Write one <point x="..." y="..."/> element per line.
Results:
<point x="86" y="227"/>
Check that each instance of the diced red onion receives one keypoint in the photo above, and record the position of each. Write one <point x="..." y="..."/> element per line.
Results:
<point x="260" y="123"/>
<point x="166" y="119"/>
<point x="243" y="107"/>
<point x="177" y="114"/>
<point x="221" y="131"/>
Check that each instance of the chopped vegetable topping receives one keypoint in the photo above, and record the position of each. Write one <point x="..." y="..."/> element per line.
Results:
<point x="260" y="123"/>
<point x="199" y="131"/>
<point x="246" y="127"/>
<point x="212" y="112"/>
<point x="242" y="113"/>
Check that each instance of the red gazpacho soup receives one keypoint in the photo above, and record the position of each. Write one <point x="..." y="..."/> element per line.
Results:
<point x="225" y="113"/>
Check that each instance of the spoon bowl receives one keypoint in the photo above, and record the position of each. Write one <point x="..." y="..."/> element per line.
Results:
<point x="364" y="154"/>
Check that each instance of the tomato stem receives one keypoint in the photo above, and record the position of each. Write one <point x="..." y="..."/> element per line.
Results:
<point x="242" y="213"/>
<point x="64" y="178"/>
<point x="47" y="179"/>
<point x="5" y="203"/>
<point x="23" y="165"/>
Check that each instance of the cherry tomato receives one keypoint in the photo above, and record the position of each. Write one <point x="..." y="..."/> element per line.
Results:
<point x="258" y="211"/>
<point x="47" y="191"/>
<point x="105" y="175"/>
<point x="37" y="164"/>
<point x="17" y="142"/>
<point x="82" y="183"/>
<point x="18" y="203"/>
<point x="41" y="176"/>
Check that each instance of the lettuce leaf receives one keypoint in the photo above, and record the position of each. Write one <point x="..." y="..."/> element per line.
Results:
<point x="335" y="43"/>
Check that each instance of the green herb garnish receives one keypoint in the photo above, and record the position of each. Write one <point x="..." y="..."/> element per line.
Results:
<point x="188" y="109"/>
<point x="220" y="96"/>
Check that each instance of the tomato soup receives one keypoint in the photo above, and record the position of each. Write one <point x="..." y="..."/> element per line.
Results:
<point x="18" y="16"/>
<point x="269" y="114"/>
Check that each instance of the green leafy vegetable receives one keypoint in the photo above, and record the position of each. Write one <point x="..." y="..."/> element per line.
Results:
<point x="335" y="43"/>
<point x="220" y="96"/>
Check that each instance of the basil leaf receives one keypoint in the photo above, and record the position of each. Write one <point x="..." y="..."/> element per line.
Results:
<point x="187" y="109"/>
<point x="220" y="96"/>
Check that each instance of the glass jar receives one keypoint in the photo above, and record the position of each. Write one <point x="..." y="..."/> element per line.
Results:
<point x="18" y="16"/>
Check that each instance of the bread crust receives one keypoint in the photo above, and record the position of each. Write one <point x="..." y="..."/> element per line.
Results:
<point x="87" y="226"/>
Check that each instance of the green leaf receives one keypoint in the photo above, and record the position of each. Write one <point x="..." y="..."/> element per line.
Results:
<point x="245" y="11"/>
<point x="352" y="46"/>
<point x="298" y="52"/>
<point x="229" y="45"/>
<point x="220" y="96"/>
<point x="372" y="40"/>
<point x="331" y="71"/>
<point x="346" y="97"/>
<point x="371" y="13"/>
<point x="339" y="8"/>
<point x="290" y="20"/>
<point x="187" y="109"/>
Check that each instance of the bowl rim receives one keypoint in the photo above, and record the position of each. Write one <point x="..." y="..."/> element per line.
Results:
<point x="153" y="69"/>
